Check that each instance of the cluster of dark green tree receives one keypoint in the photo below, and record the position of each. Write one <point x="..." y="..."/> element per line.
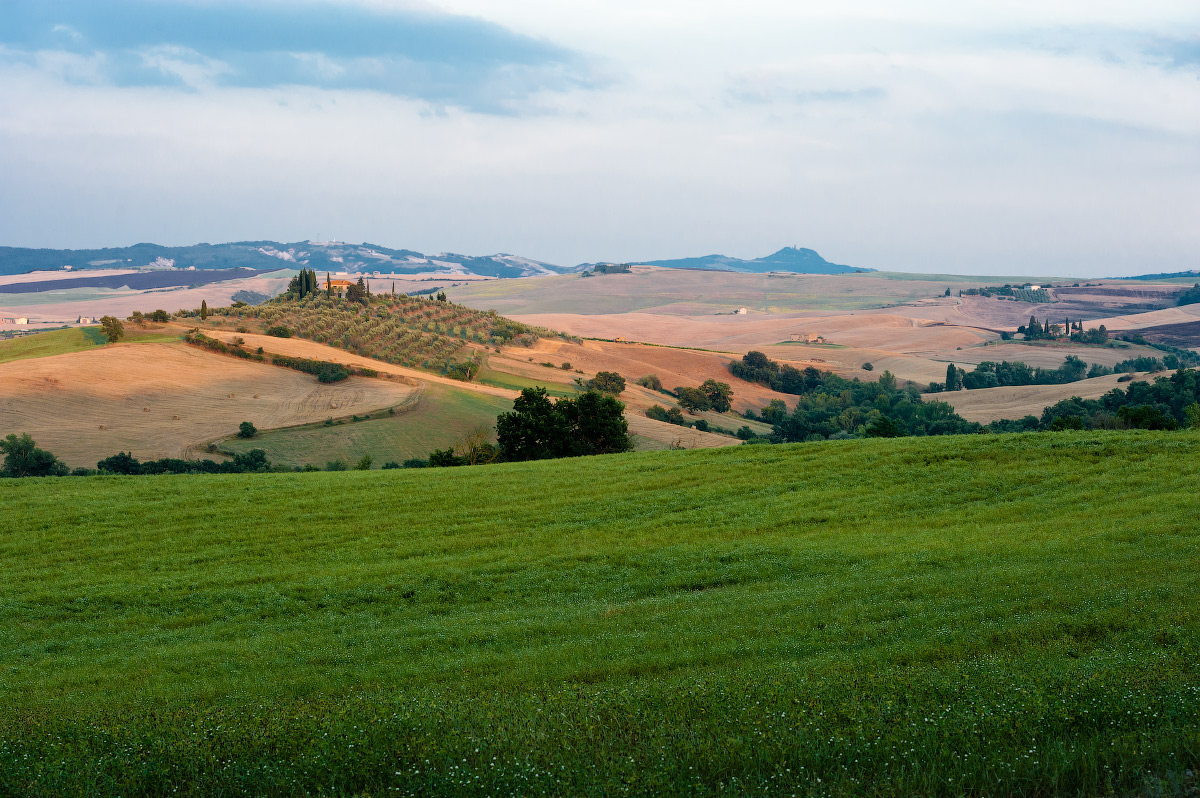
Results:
<point x="539" y="428"/>
<point x="1097" y="336"/>
<point x="1189" y="297"/>
<point x="323" y="370"/>
<point x="1047" y="331"/>
<point x="1021" y="293"/>
<point x="609" y="382"/>
<point x="835" y="407"/>
<point x="757" y="367"/>
<point x="303" y="284"/>
<point x="1183" y="358"/>
<point x="990" y="374"/>
<point x="253" y="461"/>
<point x="711" y="395"/>
<point x="1166" y="403"/>
<point x="23" y="458"/>
<point x="158" y="316"/>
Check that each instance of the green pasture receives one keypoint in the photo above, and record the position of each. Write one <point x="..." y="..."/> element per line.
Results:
<point x="442" y="414"/>
<point x="985" y="615"/>
<point x="74" y="339"/>
<point x="556" y="382"/>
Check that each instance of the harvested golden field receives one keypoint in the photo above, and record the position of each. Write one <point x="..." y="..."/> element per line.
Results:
<point x="1133" y="321"/>
<point x="688" y="292"/>
<point x="1049" y="356"/>
<point x="1016" y="401"/>
<point x="734" y="333"/>
<point x="160" y="400"/>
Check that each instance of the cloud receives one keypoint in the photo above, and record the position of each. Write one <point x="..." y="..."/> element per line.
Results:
<point x="424" y="54"/>
<point x="1176" y="53"/>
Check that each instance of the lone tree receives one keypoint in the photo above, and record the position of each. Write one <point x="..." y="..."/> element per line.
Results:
<point x="693" y="400"/>
<point x="203" y="310"/>
<point x="22" y="458"/>
<point x="538" y="429"/>
<point x="609" y="382"/>
<point x="247" y="430"/>
<point x="719" y="394"/>
<point x="114" y="330"/>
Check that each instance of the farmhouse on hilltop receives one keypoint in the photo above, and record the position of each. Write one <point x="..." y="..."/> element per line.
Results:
<point x="338" y="288"/>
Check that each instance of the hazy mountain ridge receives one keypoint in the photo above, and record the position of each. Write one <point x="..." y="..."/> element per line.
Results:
<point x="788" y="259"/>
<point x="321" y="256"/>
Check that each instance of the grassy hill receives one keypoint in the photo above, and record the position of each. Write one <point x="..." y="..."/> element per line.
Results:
<point x="964" y="615"/>
<point x="439" y="416"/>
<point x="72" y="339"/>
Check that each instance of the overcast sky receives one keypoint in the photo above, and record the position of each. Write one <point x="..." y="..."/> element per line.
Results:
<point x="1012" y="137"/>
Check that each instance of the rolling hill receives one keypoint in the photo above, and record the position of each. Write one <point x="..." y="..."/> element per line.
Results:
<point x="1001" y="615"/>
<point x="323" y="256"/>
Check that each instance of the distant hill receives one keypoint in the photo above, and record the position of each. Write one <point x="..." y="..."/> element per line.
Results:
<point x="267" y="255"/>
<point x="788" y="259"/>
<point x="1164" y="275"/>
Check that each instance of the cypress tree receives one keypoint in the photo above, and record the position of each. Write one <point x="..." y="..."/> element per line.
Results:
<point x="203" y="310"/>
<point x="952" y="380"/>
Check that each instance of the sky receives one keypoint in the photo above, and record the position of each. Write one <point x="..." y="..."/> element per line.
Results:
<point x="952" y="136"/>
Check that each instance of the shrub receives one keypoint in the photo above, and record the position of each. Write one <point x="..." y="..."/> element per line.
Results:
<point x="247" y="430"/>
<point x="868" y="367"/>
<point x="279" y="331"/>
<point x="364" y="463"/>
<point x="445" y="458"/>
<point x="650" y="381"/>
<point x="336" y="465"/>
<point x="390" y="464"/>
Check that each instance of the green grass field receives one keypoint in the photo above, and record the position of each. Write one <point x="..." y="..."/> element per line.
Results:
<point x="556" y="382"/>
<point x="1007" y="615"/>
<point x="441" y="416"/>
<point x="74" y="339"/>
